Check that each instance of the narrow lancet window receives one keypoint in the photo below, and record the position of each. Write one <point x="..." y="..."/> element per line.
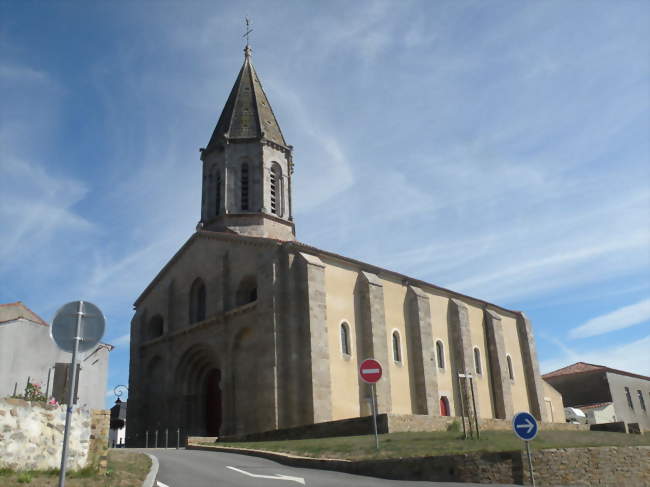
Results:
<point x="244" y="187"/>
<point x="397" y="351"/>
<point x="274" y="191"/>
<point x="217" y="193"/>
<point x="345" y="339"/>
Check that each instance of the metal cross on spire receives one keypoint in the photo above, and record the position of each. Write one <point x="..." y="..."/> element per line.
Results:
<point x="248" y="30"/>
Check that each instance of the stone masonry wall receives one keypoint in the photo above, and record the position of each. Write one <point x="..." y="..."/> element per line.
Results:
<point x="31" y="435"/>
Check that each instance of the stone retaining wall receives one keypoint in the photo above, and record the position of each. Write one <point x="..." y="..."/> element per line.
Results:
<point x="387" y="423"/>
<point x="598" y="466"/>
<point x="31" y="436"/>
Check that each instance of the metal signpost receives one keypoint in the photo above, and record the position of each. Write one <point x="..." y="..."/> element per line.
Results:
<point x="370" y="372"/>
<point x="77" y="327"/>
<point x="525" y="427"/>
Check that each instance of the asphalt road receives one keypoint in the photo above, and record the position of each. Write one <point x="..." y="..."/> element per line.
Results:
<point x="195" y="468"/>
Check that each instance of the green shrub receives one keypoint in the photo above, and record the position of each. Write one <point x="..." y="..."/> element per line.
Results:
<point x="24" y="477"/>
<point x="454" y="426"/>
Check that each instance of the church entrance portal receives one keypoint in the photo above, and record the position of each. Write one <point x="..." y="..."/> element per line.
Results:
<point x="213" y="403"/>
<point x="199" y="383"/>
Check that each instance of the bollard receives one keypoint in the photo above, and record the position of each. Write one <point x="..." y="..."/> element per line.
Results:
<point x="156" y="445"/>
<point x="178" y="438"/>
<point x="166" y="438"/>
<point x="146" y="439"/>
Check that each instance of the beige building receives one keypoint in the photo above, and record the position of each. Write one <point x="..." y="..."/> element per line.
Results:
<point x="247" y="330"/>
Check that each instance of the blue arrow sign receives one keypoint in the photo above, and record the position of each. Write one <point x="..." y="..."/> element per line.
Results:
<point x="525" y="426"/>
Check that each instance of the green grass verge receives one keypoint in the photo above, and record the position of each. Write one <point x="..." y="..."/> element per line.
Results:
<point x="125" y="469"/>
<point x="405" y="445"/>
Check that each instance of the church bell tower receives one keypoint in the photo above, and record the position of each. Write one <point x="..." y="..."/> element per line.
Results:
<point x="247" y="166"/>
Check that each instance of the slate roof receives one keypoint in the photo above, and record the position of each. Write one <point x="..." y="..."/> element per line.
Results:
<point x="584" y="367"/>
<point x="17" y="310"/>
<point x="247" y="113"/>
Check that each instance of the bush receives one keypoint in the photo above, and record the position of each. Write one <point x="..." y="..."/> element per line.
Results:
<point x="24" y="477"/>
<point x="454" y="426"/>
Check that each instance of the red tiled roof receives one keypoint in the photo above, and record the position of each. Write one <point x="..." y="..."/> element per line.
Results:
<point x="17" y="310"/>
<point x="593" y="406"/>
<point x="584" y="367"/>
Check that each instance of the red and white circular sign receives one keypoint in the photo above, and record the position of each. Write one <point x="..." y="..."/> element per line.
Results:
<point x="370" y="371"/>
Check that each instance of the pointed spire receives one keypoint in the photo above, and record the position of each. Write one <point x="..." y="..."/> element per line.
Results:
<point x="247" y="113"/>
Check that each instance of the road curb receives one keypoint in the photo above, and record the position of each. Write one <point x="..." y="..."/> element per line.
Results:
<point x="150" y="479"/>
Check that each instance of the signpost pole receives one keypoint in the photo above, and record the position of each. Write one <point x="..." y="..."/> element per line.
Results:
<point x="72" y="382"/>
<point x="374" y="414"/>
<point x="462" y="406"/>
<point x="471" y="386"/>
<point x="530" y="463"/>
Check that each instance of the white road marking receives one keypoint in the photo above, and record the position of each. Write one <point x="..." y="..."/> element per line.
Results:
<point x="300" y="480"/>
<point x="160" y="484"/>
<point x="370" y="371"/>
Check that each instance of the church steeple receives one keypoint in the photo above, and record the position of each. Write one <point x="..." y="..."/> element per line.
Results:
<point x="247" y="113"/>
<point x="247" y="165"/>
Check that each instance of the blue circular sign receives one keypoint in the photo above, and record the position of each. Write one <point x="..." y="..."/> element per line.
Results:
<point x="525" y="426"/>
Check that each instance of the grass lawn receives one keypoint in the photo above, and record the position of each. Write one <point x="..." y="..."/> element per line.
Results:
<point x="125" y="469"/>
<point x="402" y="445"/>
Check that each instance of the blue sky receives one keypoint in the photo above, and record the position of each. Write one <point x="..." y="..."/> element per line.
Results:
<point x="497" y="148"/>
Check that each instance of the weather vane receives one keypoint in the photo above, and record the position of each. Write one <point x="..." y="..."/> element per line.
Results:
<point x="248" y="30"/>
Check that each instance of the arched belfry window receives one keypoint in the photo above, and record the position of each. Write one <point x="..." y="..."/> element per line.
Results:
<point x="397" y="347"/>
<point x="440" y="354"/>
<point x="197" y="301"/>
<point x="244" y="187"/>
<point x="275" y="189"/>
<point x="345" y="339"/>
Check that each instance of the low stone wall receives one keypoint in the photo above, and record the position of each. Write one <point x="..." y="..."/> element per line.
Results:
<point x="413" y="422"/>
<point x="31" y="436"/>
<point x="386" y="423"/>
<point x="606" y="466"/>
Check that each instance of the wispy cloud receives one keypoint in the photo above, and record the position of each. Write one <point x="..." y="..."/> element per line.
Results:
<point x="120" y="340"/>
<point x="624" y="317"/>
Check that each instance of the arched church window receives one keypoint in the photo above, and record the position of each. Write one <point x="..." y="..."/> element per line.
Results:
<point x="345" y="338"/>
<point x="217" y="193"/>
<point x="440" y="354"/>
<point x="477" y="361"/>
<point x="276" y="189"/>
<point x="197" y="301"/>
<point x="246" y="291"/>
<point x="397" y="349"/>
<point x="155" y="328"/>
<point x="511" y="372"/>
<point x="244" y="186"/>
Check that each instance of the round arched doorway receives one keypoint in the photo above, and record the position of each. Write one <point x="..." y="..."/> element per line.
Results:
<point x="198" y="382"/>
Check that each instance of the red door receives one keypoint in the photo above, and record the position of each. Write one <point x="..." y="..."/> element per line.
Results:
<point x="444" y="406"/>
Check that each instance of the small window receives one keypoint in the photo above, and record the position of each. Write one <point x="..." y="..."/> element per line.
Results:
<point x="155" y="327"/>
<point x="345" y="339"/>
<point x="477" y="361"/>
<point x="397" y="351"/>
<point x="641" y="400"/>
<point x="197" y="301"/>
<point x="629" y="398"/>
<point x="511" y="372"/>
<point x="440" y="354"/>
<point x="246" y="291"/>
<point x="244" y="187"/>
<point x="276" y="190"/>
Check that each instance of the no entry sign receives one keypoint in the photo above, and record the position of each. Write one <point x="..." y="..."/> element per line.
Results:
<point x="370" y="371"/>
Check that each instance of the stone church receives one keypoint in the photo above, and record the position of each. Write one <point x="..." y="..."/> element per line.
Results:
<point x="247" y="330"/>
